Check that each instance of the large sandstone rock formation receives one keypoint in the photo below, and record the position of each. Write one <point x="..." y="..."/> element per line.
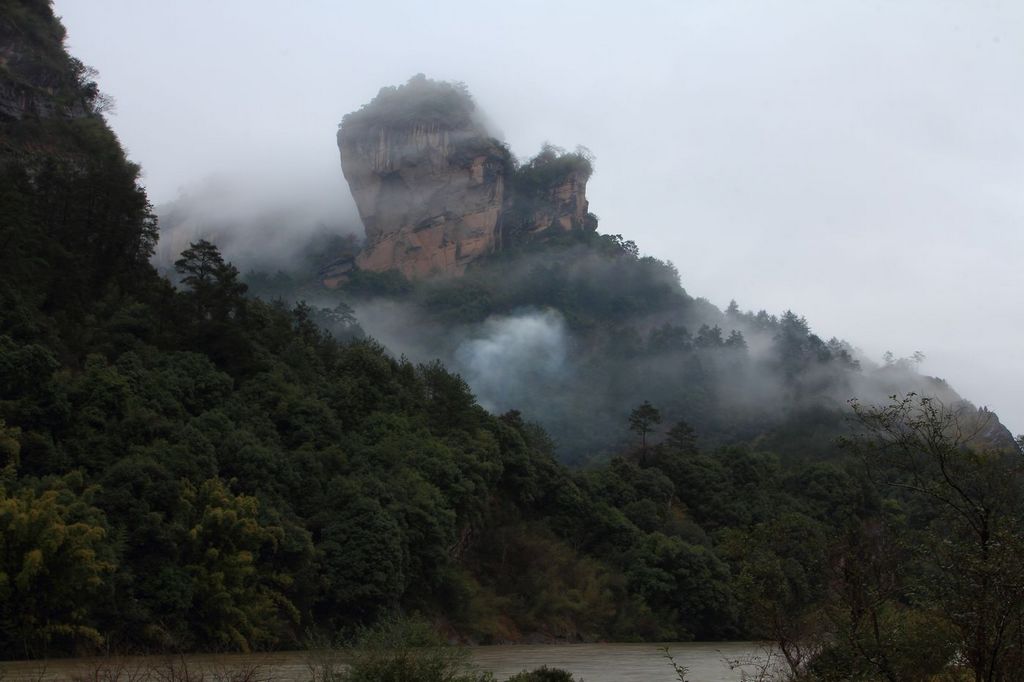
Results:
<point x="435" y="191"/>
<point x="428" y="180"/>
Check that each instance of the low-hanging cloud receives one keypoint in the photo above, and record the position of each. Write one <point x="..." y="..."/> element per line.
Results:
<point x="256" y="221"/>
<point x="512" y="357"/>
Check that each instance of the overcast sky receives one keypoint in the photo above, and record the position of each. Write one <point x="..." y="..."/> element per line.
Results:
<point x="861" y="163"/>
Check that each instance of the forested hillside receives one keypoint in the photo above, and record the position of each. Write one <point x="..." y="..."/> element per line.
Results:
<point x="193" y="469"/>
<point x="579" y="329"/>
<point x="190" y="467"/>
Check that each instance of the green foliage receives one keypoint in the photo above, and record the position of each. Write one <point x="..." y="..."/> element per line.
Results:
<point x="360" y="557"/>
<point x="686" y="584"/>
<point x="212" y="283"/>
<point x="407" y="651"/>
<point x="543" y="674"/>
<point x="56" y="564"/>
<point x="643" y="419"/>
<point x="968" y="492"/>
<point x="549" y="167"/>
<point x="234" y="604"/>
<point x="532" y="581"/>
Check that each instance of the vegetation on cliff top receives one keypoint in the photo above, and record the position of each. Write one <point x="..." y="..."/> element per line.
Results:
<point x="550" y="166"/>
<point x="419" y="101"/>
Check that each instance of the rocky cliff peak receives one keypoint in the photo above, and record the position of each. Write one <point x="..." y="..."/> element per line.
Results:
<point x="435" y="191"/>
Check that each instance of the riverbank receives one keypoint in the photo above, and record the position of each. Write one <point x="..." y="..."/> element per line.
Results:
<point x="706" y="661"/>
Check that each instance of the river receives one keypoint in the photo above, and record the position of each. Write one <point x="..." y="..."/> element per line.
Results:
<point x="706" y="662"/>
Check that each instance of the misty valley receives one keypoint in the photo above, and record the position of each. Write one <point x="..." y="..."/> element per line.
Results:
<point x="468" y="415"/>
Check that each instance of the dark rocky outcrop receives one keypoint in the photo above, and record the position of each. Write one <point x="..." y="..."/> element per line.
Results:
<point x="550" y="196"/>
<point x="38" y="80"/>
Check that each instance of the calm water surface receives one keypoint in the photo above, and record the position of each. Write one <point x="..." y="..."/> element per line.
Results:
<point x="590" y="662"/>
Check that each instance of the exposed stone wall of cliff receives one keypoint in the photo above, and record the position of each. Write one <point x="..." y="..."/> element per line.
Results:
<point x="430" y="195"/>
<point x="435" y="191"/>
<point x="563" y="207"/>
<point x="427" y="179"/>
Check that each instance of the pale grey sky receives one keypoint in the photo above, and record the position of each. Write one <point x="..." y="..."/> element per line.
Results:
<point x="859" y="162"/>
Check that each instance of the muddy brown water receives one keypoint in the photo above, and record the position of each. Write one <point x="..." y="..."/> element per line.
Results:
<point x="706" y="662"/>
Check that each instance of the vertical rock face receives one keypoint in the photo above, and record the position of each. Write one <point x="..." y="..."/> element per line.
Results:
<point x="565" y="206"/>
<point x="436" y="192"/>
<point x="428" y="181"/>
<point x="560" y="207"/>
